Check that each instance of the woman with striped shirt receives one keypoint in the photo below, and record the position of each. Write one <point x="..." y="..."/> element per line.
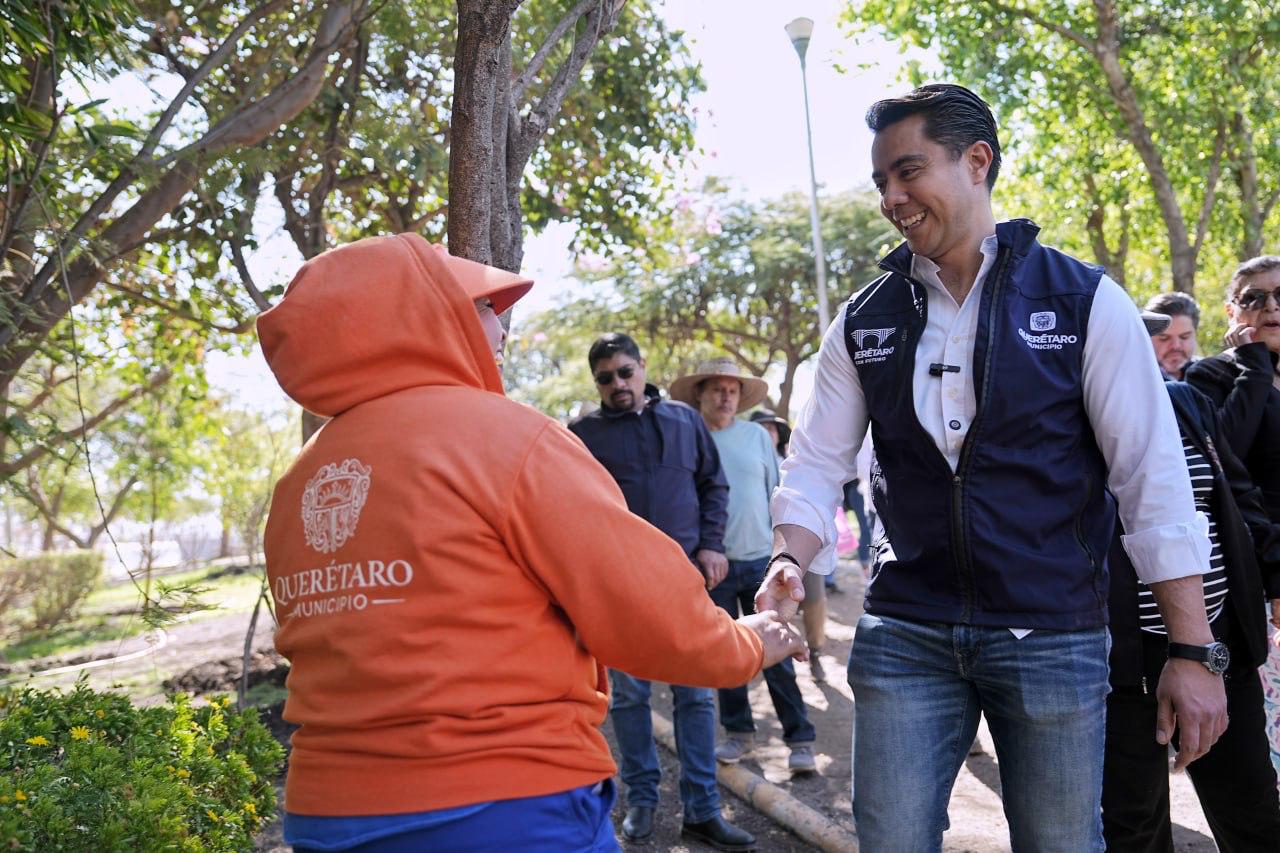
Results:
<point x="1234" y="781"/>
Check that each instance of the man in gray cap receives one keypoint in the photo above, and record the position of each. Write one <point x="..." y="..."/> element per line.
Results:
<point x="720" y="391"/>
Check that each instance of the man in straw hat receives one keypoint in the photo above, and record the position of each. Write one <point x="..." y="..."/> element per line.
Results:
<point x="720" y="391"/>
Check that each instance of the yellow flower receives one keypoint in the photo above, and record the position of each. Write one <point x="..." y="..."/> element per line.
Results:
<point x="213" y="817"/>
<point x="79" y="732"/>
<point x="38" y="740"/>
<point x="184" y="773"/>
<point x="19" y="796"/>
<point x="100" y="713"/>
<point x="251" y="808"/>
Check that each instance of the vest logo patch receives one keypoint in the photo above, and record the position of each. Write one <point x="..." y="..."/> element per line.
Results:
<point x="1047" y="341"/>
<point x="331" y="504"/>
<point x="877" y="351"/>
<point x="1043" y="321"/>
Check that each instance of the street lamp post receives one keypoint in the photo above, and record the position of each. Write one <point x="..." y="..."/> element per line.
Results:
<point x="799" y="31"/>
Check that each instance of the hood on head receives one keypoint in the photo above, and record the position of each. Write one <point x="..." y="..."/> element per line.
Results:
<point x="381" y="315"/>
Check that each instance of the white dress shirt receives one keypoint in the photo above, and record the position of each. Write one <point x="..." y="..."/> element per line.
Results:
<point x="1124" y="397"/>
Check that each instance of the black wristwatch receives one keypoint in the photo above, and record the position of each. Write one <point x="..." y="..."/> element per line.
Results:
<point x="1216" y="657"/>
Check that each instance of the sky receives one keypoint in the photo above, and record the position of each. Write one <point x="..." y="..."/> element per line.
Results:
<point x="750" y="132"/>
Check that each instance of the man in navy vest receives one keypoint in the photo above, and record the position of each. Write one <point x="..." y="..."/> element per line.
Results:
<point x="1007" y="387"/>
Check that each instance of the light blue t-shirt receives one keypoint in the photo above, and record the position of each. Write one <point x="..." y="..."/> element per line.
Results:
<point x="751" y="467"/>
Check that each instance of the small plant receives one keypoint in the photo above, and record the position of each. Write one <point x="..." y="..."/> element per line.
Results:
<point x="65" y="581"/>
<point x="56" y="583"/>
<point x="84" y="770"/>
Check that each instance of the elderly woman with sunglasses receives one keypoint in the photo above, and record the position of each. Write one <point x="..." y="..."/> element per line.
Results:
<point x="1244" y="382"/>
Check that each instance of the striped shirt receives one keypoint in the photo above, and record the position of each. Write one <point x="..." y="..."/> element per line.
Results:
<point x="1215" y="582"/>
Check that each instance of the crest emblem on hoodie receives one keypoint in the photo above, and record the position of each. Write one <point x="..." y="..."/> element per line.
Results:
<point x="331" y="503"/>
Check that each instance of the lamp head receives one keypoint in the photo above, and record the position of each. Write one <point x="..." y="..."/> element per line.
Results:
<point x="799" y="32"/>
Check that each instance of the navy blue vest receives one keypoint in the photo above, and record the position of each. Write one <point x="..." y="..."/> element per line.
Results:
<point x="1017" y="536"/>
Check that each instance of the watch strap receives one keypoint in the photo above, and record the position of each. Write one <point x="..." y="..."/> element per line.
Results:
<point x="1189" y="652"/>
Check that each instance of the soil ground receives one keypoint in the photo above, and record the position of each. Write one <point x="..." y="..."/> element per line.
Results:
<point x="203" y="656"/>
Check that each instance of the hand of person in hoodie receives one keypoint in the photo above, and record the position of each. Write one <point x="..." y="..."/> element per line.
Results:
<point x="780" y="640"/>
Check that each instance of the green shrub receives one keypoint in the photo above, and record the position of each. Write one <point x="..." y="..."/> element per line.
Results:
<point x="84" y="770"/>
<point x="57" y="583"/>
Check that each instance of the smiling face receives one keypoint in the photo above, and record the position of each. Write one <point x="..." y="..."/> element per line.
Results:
<point x="1176" y="345"/>
<point x="938" y="202"/>
<point x="1263" y="310"/>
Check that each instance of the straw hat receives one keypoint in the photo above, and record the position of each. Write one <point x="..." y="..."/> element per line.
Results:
<point x="685" y="389"/>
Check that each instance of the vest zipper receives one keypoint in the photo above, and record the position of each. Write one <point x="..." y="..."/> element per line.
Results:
<point x="960" y="541"/>
<point x="1088" y="552"/>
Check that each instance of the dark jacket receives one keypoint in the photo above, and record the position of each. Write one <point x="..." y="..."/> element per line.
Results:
<point x="1017" y="535"/>
<point x="1250" y="552"/>
<point x="1238" y="382"/>
<point x="677" y="485"/>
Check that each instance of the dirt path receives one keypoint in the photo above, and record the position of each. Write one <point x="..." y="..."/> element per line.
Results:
<point x="977" y="820"/>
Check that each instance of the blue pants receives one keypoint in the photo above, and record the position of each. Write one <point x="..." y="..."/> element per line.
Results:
<point x="694" y="714"/>
<point x="736" y="595"/>
<point x="919" y="689"/>
<point x="571" y="820"/>
<point x="854" y="503"/>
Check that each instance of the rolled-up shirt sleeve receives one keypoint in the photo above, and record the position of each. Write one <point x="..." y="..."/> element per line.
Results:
<point x="1133" y="422"/>
<point x="824" y="447"/>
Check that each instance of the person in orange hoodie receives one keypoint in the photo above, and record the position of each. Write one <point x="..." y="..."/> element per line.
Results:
<point x="440" y="559"/>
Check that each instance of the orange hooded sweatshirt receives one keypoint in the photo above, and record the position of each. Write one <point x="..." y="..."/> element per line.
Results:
<point x="451" y="568"/>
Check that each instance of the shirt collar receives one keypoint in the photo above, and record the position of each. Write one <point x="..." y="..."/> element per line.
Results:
<point x="924" y="269"/>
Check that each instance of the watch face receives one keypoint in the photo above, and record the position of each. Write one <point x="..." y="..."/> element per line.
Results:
<point x="1219" y="657"/>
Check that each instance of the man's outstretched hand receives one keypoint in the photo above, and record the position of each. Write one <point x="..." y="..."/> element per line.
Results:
<point x="782" y="590"/>
<point x="780" y="640"/>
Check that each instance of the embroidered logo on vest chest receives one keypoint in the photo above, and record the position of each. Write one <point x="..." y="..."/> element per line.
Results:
<point x="870" y="345"/>
<point x="1042" y="323"/>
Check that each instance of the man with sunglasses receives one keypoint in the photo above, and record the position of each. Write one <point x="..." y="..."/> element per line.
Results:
<point x="664" y="460"/>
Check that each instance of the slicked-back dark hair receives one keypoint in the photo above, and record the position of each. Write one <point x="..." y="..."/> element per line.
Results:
<point x="954" y="117"/>
<point x="607" y="346"/>
<point x="1175" y="304"/>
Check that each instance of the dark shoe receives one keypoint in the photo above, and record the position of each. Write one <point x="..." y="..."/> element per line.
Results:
<point x="638" y="824"/>
<point x="720" y="834"/>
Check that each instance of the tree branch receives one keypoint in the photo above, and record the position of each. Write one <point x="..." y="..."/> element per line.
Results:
<point x="178" y="311"/>
<point x="540" y="56"/>
<point x="1211" y="185"/>
<point x="598" y="21"/>
<point x="1041" y="21"/>
<point x="9" y="468"/>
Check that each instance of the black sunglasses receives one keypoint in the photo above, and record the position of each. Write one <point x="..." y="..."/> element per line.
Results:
<point x="1253" y="300"/>
<point x="605" y="377"/>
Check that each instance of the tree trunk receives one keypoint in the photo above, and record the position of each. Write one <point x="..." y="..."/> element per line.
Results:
<point x="484" y="37"/>
<point x="51" y="523"/>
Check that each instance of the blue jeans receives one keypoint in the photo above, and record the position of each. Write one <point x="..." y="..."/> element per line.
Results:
<point x="736" y="595"/>
<point x="918" y="689"/>
<point x="854" y="503"/>
<point x="694" y="714"/>
<point x="571" y="820"/>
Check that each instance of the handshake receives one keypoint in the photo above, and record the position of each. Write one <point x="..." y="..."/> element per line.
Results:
<point x="780" y="640"/>
<point x="777" y="601"/>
